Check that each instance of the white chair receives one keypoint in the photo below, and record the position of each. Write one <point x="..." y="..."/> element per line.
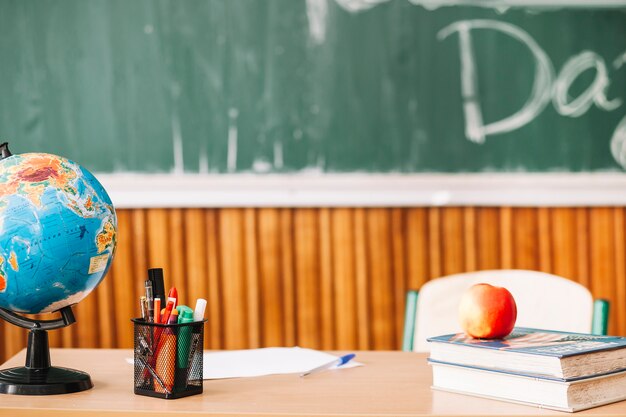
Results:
<point x="543" y="301"/>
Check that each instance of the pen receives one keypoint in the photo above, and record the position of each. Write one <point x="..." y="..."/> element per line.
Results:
<point x="142" y="304"/>
<point x="338" y="362"/>
<point x="150" y="300"/>
<point x="156" y="377"/>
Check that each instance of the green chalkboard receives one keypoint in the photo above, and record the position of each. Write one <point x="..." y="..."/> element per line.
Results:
<point x="220" y="86"/>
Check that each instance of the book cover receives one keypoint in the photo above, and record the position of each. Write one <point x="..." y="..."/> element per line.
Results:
<point x="539" y="342"/>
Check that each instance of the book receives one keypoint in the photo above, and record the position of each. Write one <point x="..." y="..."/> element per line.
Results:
<point x="540" y="353"/>
<point x="570" y="396"/>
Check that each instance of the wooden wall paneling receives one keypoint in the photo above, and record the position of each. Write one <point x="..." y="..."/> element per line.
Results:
<point x="525" y="238"/>
<point x="361" y="257"/>
<point x="126" y="302"/>
<point x="470" y="242"/>
<point x="252" y="279"/>
<point x="87" y="333"/>
<point x="583" y="272"/>
<point x="452" y="240"/>
<point x="157" y="229"/>
<point x="270" y="282"/>
<point x="107" y="318"/>
<point x="288" y="275"/>
<point x="195" y="258"/>
<point x="214" y="336"/>
<point x="417" y="247"/>
<point x="55" y="338"/>
<point x="233" y="279"/>
<point x="601" y="245"/>
<point x="344" y="273"/>
<point x="488" y="238"/>
<point x="14" y="339"/>
<point x="398" y="249"/>
<point x="434" y="243"/>
<point x="176" y="254"/>
<point x="506" y="238"/>
<point x="306" y="239"/>
<point x="544" y="230"/>
<point x="381" y="290"/>
<point x="327" y="314"/>
<point x="564" y="243"/>
<point x="139" y="249"/>
<point x="68" y="338"/>
<point x="620" y="269"/>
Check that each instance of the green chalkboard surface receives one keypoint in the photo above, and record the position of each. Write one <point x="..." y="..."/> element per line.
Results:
<point x="283" y="86"/>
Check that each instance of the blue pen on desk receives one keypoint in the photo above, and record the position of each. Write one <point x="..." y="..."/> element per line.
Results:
<point x="337" y="362"/>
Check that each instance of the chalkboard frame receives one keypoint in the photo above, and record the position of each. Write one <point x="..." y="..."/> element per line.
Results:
<point x="366" y="190"/>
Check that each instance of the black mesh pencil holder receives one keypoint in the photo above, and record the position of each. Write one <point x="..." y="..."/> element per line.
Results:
<point x="168" y="359"/>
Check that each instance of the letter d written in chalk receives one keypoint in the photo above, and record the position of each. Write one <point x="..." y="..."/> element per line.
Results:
<point x="475" y="129"/>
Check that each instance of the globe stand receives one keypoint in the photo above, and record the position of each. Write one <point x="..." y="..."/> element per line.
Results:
<point x="38" y="377"/>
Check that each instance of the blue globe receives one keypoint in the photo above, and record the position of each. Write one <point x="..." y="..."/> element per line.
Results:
<point x="57" y="233"/>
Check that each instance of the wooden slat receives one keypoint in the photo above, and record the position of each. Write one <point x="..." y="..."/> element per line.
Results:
<point x="308" y="293"/>
<point x="452" y="238"/>
<point x="176" y="250"/>
<point x="344" y="278"/>
<point x="327" y="315"/>
<point x="506" y="238"/>
<point x="544" y="231"/>
<point x="195" y="256"/>
<point x="620" y="268"/>
<point x="252" y="279"/>
<point x="470" y="241"/>
<point x="398" y="249"/>
<point x="106" y="318"/>
<point x="564" y="241"/>
<point x="271" y="285"/>
<point x="583" y="271"/>
<point x="525" y="239"/>
<point x="362" y="280"/>
<point x="489" y="238"/>
<point x="157" y="237"/>
<point x="382" y="296"/>
<point x="232" y="278"/>
<point x="417" y="247"/>
<point x="139" y="251"/>
<point x="288" y="275"/>
<point x="214" y="313"/>
<point x="434" y="243"/>
<point x="602" y="255"/>
<point x="126" y="299"/>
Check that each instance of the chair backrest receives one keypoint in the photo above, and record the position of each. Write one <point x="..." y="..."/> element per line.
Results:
<point x="544" y="301"/>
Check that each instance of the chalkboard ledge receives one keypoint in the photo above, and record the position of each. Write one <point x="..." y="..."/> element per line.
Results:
<point x="365" y="190"/>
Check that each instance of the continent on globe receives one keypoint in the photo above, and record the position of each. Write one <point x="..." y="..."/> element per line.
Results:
<point x="58" y="232"/>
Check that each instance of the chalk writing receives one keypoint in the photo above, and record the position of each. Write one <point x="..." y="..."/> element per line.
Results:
<point x="545" y="86"/>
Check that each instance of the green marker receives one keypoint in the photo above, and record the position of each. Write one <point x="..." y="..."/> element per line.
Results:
<point x="185" y="315"/>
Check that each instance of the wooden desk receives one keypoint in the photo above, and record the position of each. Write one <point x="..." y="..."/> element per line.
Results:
<point x="390" y="384"/>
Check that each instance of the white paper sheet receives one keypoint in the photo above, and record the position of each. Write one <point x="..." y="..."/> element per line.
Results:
<point x="265" y="361"/>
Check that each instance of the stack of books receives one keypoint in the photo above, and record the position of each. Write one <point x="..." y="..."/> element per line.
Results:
<point x="549" y="369"/>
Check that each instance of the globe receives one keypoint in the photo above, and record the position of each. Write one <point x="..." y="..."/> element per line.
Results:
<point x="57" y="233"/>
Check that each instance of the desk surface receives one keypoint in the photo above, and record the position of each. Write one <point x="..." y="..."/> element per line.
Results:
<point x="390" y="384"/>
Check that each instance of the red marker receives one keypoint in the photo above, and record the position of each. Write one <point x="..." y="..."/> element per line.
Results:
<point x="173" y="295"/>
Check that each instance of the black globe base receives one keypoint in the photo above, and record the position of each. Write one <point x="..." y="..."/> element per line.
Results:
<point x="38" y="377"/>
<point x="50" y="381"/>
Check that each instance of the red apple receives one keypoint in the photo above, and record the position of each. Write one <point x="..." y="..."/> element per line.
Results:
<point x="487" y="312"/>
